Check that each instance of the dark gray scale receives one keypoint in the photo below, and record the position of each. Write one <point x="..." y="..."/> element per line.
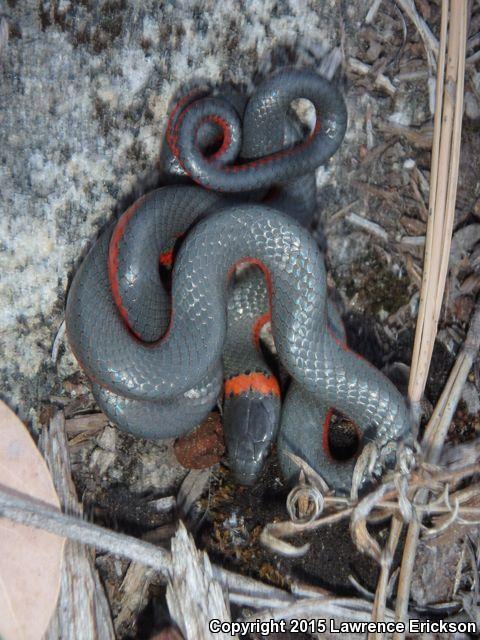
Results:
<point x="191" y="352"/>
<point x="250" y="419"/>
<point x="159" y="218"/>
<point x="156" y="420"/>
<point x="263" y="127"/>
<point x="185" y="364"/>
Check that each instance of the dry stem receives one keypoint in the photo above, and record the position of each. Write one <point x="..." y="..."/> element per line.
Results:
<point x="21" y="508"/>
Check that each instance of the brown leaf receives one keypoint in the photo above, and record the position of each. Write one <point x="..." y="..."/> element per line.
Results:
<point x="31" y="560"/>
<point x="203" y="447"/>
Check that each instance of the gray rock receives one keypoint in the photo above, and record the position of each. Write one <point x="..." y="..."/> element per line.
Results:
<point x="85" y="88"/>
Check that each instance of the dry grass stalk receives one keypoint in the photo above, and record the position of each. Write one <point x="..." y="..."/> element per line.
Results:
<point x="435" y="434"/>
<point x="443" y="190"/>
<point x="444" y="171"/>
<point x="443" y="183"/>
<point x="381" y="592"/>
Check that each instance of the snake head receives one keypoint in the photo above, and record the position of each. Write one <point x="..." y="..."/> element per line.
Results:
<point x="250" y="426"/>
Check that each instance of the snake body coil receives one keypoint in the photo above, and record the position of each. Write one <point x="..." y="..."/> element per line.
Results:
<point x="157" y="361"/>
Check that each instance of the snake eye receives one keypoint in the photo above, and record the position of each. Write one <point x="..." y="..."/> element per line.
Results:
<point x="343" y="438"/>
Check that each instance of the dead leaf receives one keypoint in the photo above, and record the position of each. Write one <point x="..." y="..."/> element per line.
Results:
<point x="31" y="559"/>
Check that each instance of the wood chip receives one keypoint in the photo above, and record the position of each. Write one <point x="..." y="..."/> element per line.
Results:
<point x="194" y="597"/>
<point x="192" y="488"/>
<point x="367" y="225"/>
<point x="420" y="137"/>
<point x="133" y="596"/>
<point x="380" y="81"/>
<point x="88" y="424"/>
<point x="83" y="610"/>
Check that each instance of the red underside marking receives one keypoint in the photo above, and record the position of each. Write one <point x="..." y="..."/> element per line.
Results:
<point x="258" y="326"/>
<point x="113" y="255"/>
<point x="326" y="428"/>
<point x="172" y="140"/>
<point x="171" y="127"/>
<point x="227" y="137"/>
<point x="344" y="347"/>
<point x="252" y="382"/>
<point x="172" y="137"/>
<point x="166" y="258"/>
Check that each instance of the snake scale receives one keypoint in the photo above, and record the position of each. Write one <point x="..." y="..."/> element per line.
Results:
<point x="157" y="360"/>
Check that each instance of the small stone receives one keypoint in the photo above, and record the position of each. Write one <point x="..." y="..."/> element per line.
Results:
<point x="472" y="108"/>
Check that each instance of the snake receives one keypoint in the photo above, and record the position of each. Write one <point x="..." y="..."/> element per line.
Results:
<point x="157" y="361"/>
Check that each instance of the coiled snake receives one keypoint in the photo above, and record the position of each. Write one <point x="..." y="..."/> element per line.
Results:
<point x="157" y="361"/>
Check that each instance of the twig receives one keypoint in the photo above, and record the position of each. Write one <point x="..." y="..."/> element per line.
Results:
<point x="330" y="63"/>
<point x="376" y="152"/>
<point x="418" y="136"/>
<point x="58" y="341"/>
<point x="21" y="508"/>
<point x="441" y="418"/>
<point x="367" y="225"/>
<point x="419" y="198"/>
<point x="375" y="191"/>
<point x="412" y="241"/>
<point x="409" y="76"/>
<point x="372" y="12"/>
<point x="473" y="59"/>
<point x="380" y="81"/>
<point x="341" y="212"/>
<point x="324" y="607"/>
<point x="473" y="42"/>
<point x="429" y="40"/>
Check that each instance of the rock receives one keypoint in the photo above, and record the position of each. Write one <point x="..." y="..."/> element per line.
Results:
<point x="85" y="92"/>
